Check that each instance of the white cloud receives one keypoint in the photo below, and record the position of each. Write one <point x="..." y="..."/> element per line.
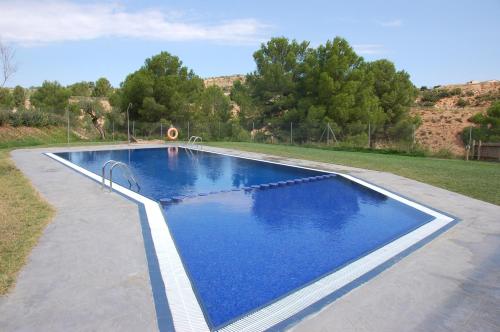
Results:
<point x="392" y="24"/>
<point x="369" y="48"/>
<point x="39" y="22"/>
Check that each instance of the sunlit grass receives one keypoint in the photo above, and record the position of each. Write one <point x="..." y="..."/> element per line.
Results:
<point x="476" y="179"/>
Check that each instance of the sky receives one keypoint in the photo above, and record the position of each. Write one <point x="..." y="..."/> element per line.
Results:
<point x="436" y="42"/>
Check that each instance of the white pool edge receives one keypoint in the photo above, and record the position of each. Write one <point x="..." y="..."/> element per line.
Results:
<point x="186" y="312"/>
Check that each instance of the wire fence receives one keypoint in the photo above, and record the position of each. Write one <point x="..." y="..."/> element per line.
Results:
<point x="405" y="138"/>
<point x="363" y="136"/>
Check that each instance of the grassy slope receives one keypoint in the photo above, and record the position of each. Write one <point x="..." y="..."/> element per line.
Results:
<point x="480" y="180"/>
<point x="11" y="137"/>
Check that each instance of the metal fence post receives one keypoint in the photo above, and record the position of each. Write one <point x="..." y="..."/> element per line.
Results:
<point x="369" y="135"/>
<point x="67" y="110"/>
<point x="479" y="150"/>
<point x="133" y="128"/>
<point x="128" y="122"/>
<point x="328" y="134"/>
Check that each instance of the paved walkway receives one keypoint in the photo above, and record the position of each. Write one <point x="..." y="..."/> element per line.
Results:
<point x="89" y="270"/>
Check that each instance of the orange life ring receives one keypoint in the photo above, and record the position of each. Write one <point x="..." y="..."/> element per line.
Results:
<point x="172" y="133"/>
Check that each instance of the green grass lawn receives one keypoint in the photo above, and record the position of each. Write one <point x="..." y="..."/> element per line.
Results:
<point x="476" y="179"/>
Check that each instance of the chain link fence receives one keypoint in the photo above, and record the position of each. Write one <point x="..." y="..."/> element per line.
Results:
<point x="361" y="136"/>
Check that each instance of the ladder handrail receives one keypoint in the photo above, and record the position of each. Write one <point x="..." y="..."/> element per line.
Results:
<point x="128" y="174"/>
<point x="193" y="139"/>
<point x="104" y="170"/>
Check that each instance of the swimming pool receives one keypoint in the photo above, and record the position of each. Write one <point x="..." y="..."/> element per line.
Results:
<point x="259" y="242"/>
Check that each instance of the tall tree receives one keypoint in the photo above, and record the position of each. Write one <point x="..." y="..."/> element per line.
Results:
<point x="161" y="89"/>
<point x="93" y="108"/>
<point x="19" y="96"/>
<point x="343" y="86"/>
<point x="249" y="112"/>
<point x="274" y="83"/>
<point x="214" y="104"/>
<point x="51" y="96"/>
<point x="102" y="88"/>
<point x="81" y="89"/>
<point x="394" y="90"/>
<point x="6" y="100"/>
<point x="7" y="61"/>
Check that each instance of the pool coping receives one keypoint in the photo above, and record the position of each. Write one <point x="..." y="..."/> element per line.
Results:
<point x="288" y="306"/>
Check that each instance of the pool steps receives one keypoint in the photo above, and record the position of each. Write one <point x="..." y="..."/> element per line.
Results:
<point x="272" y="185"/>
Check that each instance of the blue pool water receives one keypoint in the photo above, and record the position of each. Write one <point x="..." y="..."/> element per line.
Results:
<point x="164" y="173"/>
<point x="247" y="248"/>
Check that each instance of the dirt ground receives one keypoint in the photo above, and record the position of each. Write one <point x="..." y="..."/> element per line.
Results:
<point x="441" y="128"/>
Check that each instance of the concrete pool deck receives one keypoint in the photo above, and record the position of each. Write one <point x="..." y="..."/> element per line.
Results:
<point x="88" y="272"/>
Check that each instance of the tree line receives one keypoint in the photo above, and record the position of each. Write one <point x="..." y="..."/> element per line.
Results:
<point x="292" y="83"/>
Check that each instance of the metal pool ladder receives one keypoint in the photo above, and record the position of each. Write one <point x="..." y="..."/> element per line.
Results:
<point x="192" y="141"/>
<point x="127" y="172"/>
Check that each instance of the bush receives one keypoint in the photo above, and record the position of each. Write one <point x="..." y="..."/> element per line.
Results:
<point x="462" y="102"/>
<point x="456" y="92"/>
<point x="469" y="93"/>
<point x="429" y="96"/>
<point x="488" y="129"/>
<point x="444" y="93"/>
<point x="31" y="119"/>
<point x="443" y="153"/>
<point x="4" y="117"/>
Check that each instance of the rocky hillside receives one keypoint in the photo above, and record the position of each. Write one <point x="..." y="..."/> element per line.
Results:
<point x="445" y="111"/>
<point x="224" y="82"/>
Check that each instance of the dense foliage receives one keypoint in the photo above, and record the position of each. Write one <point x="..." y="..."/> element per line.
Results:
<point x="328" y="84"/>
<point x="161" y="89"/>
<point x="51" y="97"/>
<point x="293" y="85"/>
<point x="29" y="118"/>
<point x="102" y="88"/>
<point x="488" y="126"/>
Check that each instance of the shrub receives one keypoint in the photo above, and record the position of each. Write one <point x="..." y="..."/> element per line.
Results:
<point x="429" y="96"/>
<point x="462" y="102"/>
<point x="489" y="126"/>
<point x="444" y="153"/>
<point x="6" y="100"/>
<point x="4" y="117"/>
<point x="33" y="119"/>
<point x="443" y="93"/>
<point x="469" y="93"/>
<point x="456" y="92"/>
